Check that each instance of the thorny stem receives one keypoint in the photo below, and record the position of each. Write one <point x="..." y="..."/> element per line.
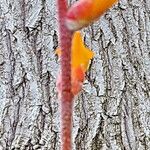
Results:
<point x="66" y="98"/>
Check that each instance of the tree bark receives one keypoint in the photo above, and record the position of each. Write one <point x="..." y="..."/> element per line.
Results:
<point x="111" y="112"/>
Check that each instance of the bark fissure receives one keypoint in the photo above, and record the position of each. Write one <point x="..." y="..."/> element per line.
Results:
<point x="112" y="110"/>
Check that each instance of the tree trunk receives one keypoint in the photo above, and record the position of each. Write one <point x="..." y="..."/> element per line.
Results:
<point x="113" y="110"/>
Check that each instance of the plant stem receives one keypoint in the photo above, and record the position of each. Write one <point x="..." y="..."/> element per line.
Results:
<point x="66" y="98"/>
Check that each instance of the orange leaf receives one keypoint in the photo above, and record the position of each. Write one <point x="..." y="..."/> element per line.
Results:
<point x="83" y="12"/>
<point x="80" y="59"/>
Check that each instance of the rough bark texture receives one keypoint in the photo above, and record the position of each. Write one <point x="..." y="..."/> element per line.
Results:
<point x="113" y="110"/>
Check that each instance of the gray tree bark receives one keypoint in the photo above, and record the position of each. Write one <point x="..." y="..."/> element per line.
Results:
<point x="113" y="110"/>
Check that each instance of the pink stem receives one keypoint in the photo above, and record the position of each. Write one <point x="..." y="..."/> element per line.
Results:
<point x="66" y="98"/>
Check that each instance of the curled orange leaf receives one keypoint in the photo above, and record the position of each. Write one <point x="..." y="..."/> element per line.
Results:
<point x="83" y="12"/>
